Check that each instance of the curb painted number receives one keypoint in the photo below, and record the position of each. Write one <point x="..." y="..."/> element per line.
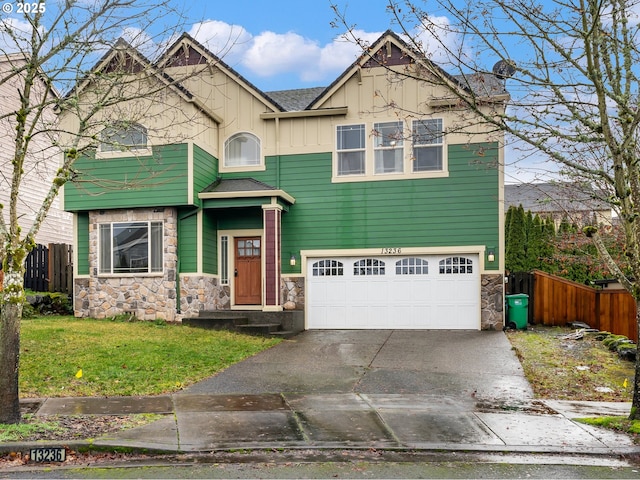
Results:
<point x="391" y="251"/>
<point x="47" y="454"/>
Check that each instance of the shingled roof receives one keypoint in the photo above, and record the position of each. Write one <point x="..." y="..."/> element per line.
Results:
<point x="296" y="100"/>
<point x="237" y="185"/>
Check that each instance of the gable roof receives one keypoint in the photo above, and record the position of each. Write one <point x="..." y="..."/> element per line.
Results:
<point x="391" y="50"/>
<point x="553" y="197"/>
<point x="186" y="50"/>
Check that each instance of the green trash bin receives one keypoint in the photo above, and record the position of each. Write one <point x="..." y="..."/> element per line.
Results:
<point x="517" y="310"/>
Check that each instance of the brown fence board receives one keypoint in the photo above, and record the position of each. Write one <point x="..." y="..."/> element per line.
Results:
<point x="557" y="301"/>
<point x="50" y="269"/>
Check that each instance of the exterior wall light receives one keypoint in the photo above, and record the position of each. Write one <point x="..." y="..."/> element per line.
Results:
<point x="292" y="261"/>
<point x="491" y="255"/>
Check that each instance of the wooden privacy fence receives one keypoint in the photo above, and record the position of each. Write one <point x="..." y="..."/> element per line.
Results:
<point x="557" y="301"/>
<point x="50" y="269"/>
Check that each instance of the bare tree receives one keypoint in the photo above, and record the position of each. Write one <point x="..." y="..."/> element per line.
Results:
<point x="78" y="47"/>
<point x="572" y="71"/>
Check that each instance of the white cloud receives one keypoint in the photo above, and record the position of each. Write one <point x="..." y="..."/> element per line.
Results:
<point x="229" y="42"/>
<point x="20" y="37"/>
<point x="273" y="54"/>
<point x="269" y="54"/>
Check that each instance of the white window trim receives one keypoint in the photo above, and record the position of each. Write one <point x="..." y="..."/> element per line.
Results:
<point x="261" y="166"/>
<point x="111" y="274"/>
<point x="128" y="151"/>
<point x="370" y="175"/>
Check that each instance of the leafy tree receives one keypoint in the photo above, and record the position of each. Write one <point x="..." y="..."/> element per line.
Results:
<point x="515" y="253"/>
<point x="575" y="97"/>
<point x="53" y="46"/>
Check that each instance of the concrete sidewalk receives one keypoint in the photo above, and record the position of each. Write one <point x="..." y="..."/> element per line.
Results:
<point x="202" y="423"/>
<point x="414" y="390"/>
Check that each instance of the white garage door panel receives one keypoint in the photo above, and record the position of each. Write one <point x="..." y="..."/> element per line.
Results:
<point x="391" y="300"/>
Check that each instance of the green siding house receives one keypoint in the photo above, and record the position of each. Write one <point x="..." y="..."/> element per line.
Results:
<point x="328" y="202"/>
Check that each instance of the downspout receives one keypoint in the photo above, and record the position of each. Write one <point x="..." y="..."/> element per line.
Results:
<point x="180" y="218"/>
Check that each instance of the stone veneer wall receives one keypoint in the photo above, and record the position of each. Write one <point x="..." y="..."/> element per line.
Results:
<point x="492" y="302"/>
<point x="292" y="293"/>
<point x="202" y="293"/>
<point x="150" y="297"/>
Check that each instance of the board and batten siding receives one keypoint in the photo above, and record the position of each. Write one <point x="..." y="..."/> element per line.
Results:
<point x="131" y="182"/>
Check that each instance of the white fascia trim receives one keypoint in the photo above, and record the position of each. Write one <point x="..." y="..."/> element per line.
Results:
<point x="249" y="194"/>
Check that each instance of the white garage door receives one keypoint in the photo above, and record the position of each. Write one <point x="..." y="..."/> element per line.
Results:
<point x="395" y="292"/>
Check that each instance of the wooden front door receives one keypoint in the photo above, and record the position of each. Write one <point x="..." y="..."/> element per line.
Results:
<point x="248" y="273"/>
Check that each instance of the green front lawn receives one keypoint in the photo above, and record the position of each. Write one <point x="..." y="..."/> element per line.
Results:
<point x="67" y="356"/>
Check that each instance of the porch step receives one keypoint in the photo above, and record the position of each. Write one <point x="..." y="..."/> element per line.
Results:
<point x="279" y="324"/>
<point x="216" y="322"/>
<point x="259" y="328"/>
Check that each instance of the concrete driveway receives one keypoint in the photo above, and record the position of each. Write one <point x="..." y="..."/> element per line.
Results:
<point x="474" y="365"/>
<point x="385" y="389"/>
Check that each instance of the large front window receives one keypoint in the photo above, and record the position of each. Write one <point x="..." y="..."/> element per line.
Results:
<point x="390" y="150"/>
<point x="130" y="247"/>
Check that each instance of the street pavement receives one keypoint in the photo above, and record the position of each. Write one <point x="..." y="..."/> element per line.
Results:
<point x="454" y="391"/>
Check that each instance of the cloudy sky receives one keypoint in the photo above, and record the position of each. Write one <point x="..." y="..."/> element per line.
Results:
<point x="282" y="44"/>
<point x="275" y="44"/>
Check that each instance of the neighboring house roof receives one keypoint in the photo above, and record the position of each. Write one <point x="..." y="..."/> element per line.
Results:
<point x="553" y="197"/>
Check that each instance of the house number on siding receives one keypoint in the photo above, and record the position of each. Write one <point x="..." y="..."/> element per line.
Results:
<point x="391" y="251"/>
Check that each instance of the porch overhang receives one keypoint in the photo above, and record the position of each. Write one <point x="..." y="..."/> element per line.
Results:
<point x="243" y="192"/>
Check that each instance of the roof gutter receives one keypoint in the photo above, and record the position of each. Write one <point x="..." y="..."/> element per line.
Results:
<point x="325" y="112"/>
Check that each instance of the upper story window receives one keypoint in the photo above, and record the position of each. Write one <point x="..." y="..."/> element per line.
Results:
<point x="130" y="247"/>
<point x="242" y="150"/>
<point x="388" y="147"/>
<point x="390" y="150"/>
<point x="351" y="149"/>
<point x="427" y="145"/>
<point x="123" y="136"/>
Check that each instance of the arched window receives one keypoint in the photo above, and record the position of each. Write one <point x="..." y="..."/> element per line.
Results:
<point x="456" y="265"/>
<point x="122" y="136"/>
<point x="412" y="266"/>
<point x="327" y="268"/>
<point x="368" y="266"/>
<point x="242" y="150"/>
